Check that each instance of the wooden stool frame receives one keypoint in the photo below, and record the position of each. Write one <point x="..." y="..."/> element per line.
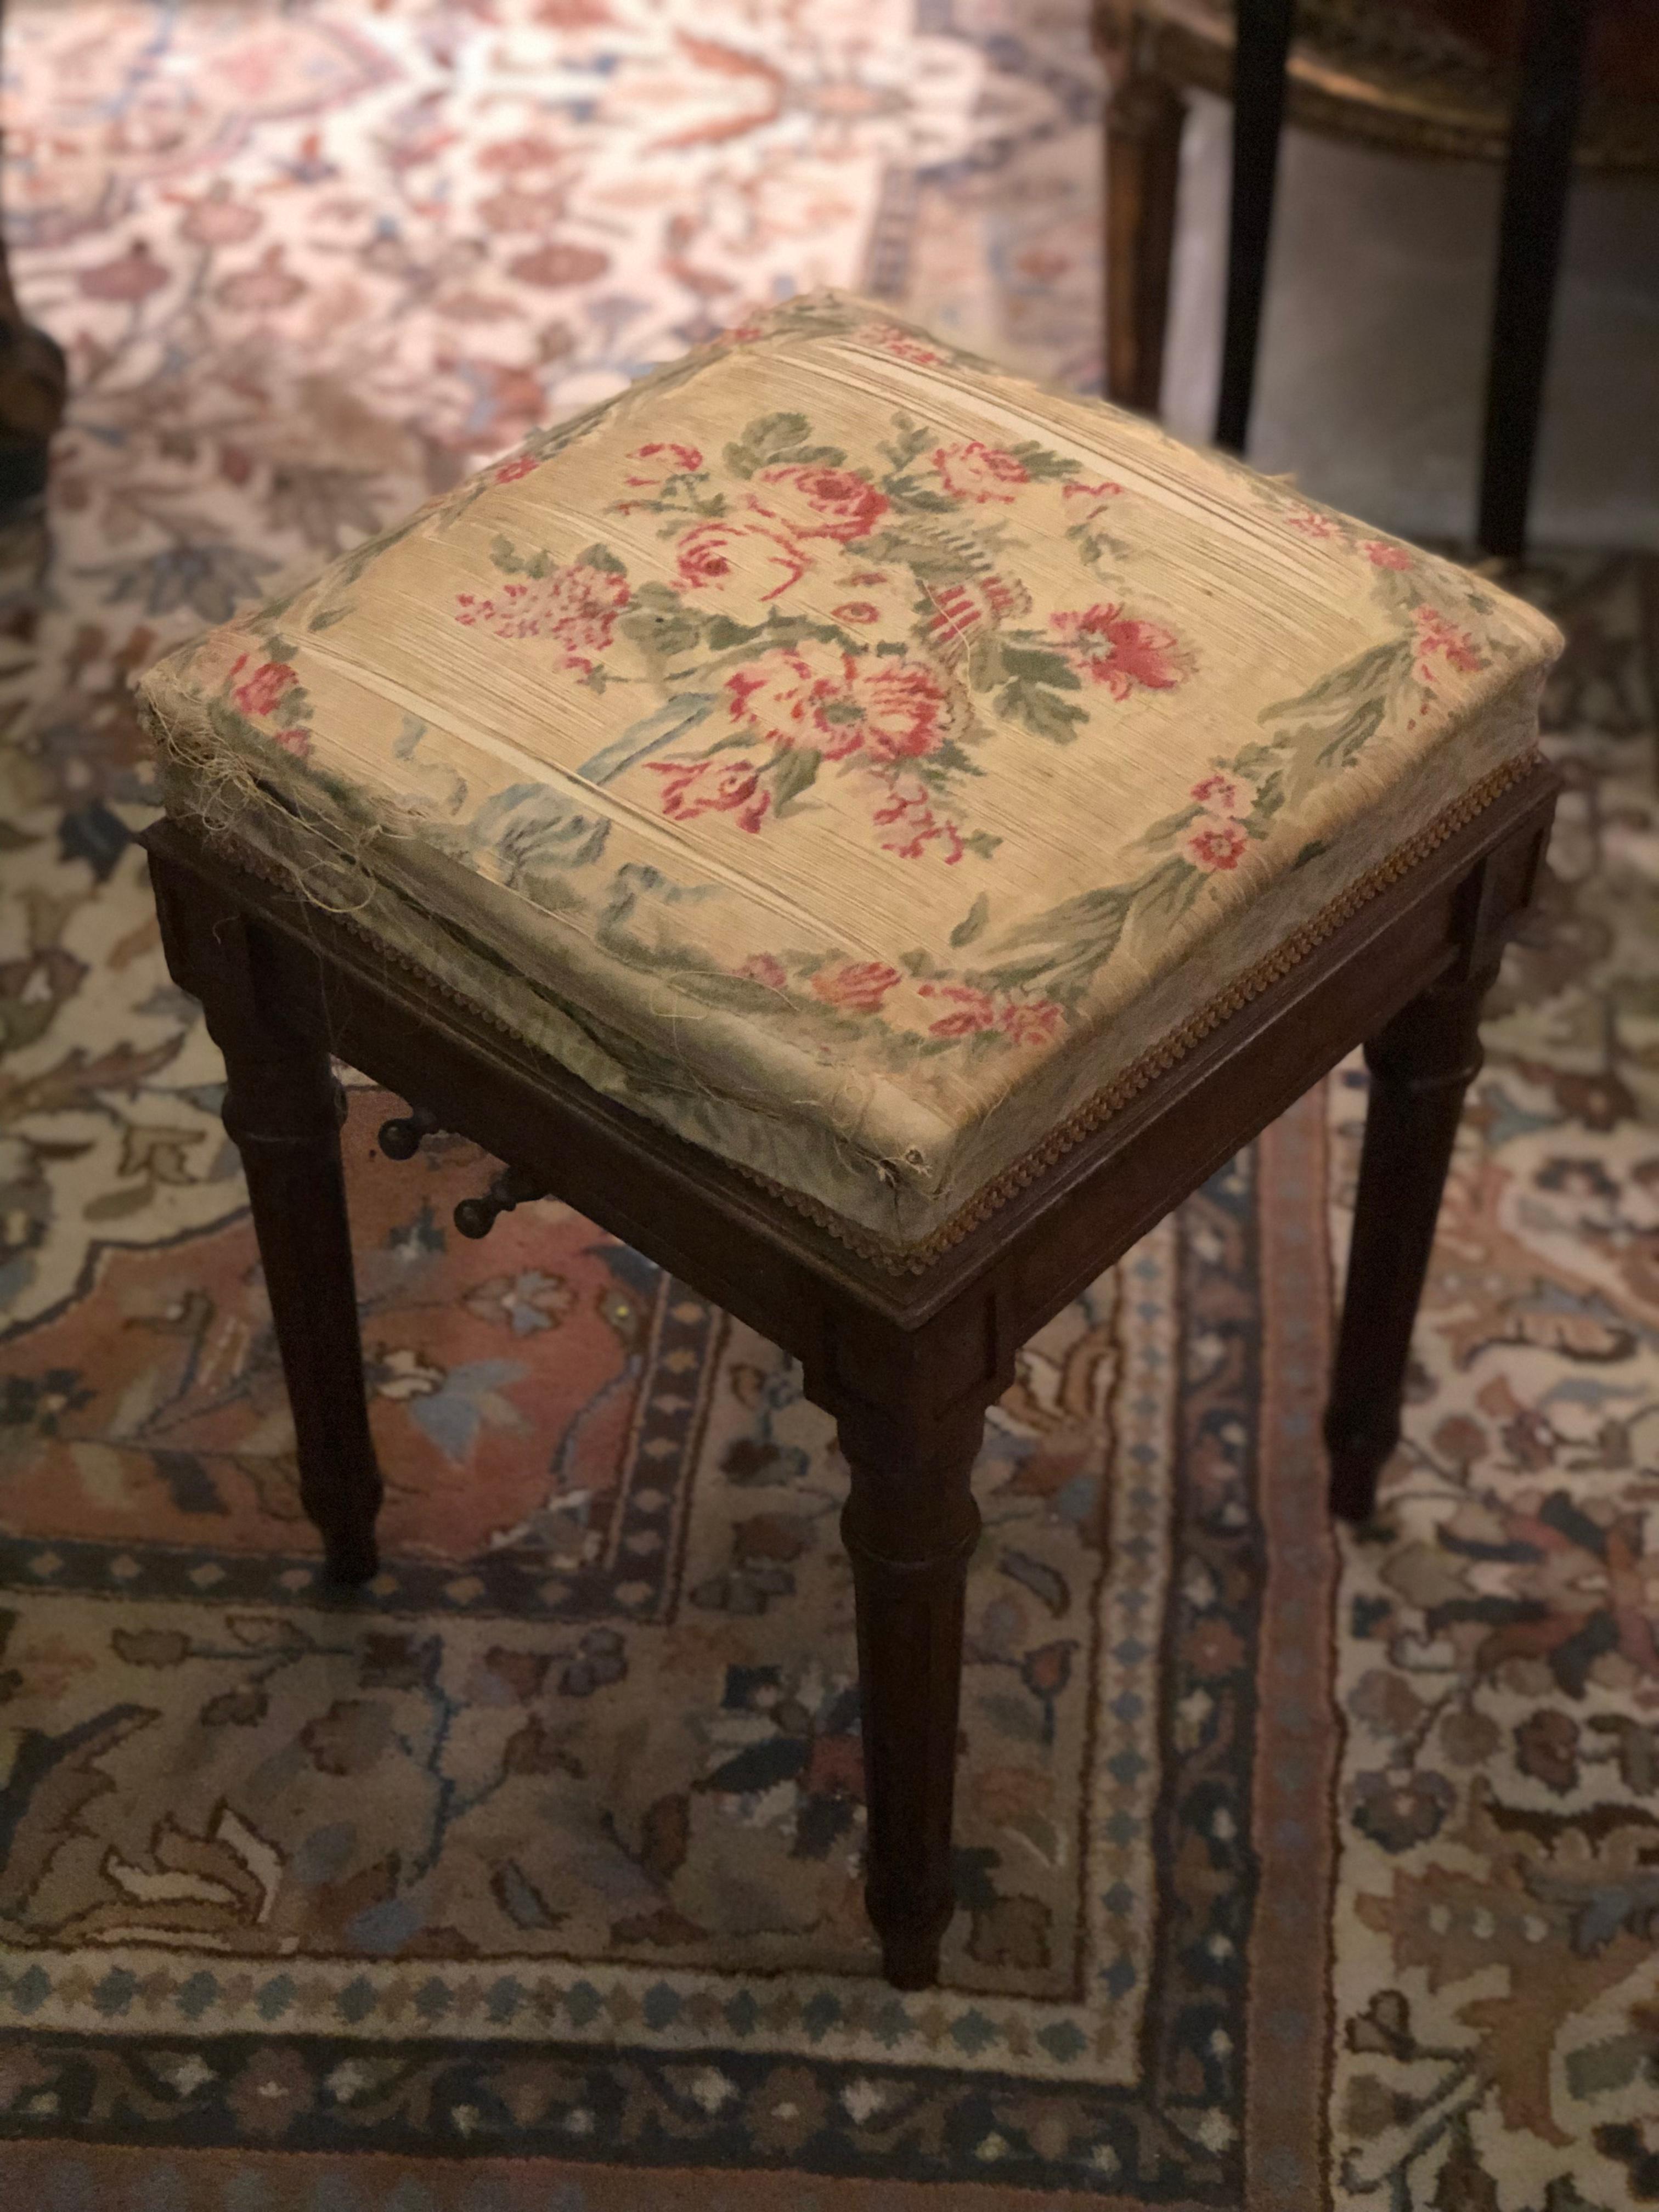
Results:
<point x="907" y="1363"/>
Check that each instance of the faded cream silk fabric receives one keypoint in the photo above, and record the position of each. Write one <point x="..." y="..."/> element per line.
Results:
<point x="846" y="753"/>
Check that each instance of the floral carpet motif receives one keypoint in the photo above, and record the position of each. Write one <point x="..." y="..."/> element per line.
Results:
<point x="530" y="1877"/>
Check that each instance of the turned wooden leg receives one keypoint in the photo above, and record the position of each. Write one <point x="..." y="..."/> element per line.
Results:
<point x="1144" y="119"/>
<point x="909" y="1525"/>
<point x="1421" y="1065"/>
<point x="282" y="1110"/>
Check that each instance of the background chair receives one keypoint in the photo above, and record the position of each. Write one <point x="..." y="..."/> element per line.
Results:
<point x="1543" y="82"/>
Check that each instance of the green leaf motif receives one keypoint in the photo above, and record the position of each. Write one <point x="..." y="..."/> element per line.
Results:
<point x="1367" y="671"/>
<point x="1041" y="466"/>
<point x="1041" y="667"/>
<point x="664" y="630"/>
<point x="602" y="558"/>
<point x="779" y="441"/>
<point x="724" y="633"/>
<point x="1164" y="832"/>
<point x="796" y="772"/>
<point x="1038" y="710"/>
<point x="1352" y="734"/>
<point x="973" y="922"/>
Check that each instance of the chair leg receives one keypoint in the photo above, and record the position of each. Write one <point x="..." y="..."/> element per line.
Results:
<point x="1536" y="186"/>
<point x="1145" y="115"/>
<point x="282" y="1110"/>
<point x="1259" y="61"/>
<point x="1421" y="1065"/>
<point x="910" y="1526"/>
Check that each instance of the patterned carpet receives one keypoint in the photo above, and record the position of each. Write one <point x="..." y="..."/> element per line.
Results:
<point x="1293" y="1873"/>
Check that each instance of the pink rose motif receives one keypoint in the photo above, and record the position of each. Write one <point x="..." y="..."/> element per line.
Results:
<point x="521" y="465"/>
<point x="980" y="473"/>
<point x="907" y="710"/>
<point x="1215" y="845"/>
<point x="909" y="813"/>
<point x="1381" y="555"/>
<point x="743" y="562"/>
<point x="962" y="608"/>
<point x="1435" y="634"/>
<point x="1218" y="792"/>
<point x="900" y="344"/>
<point x="1122" y="651"/>
<point x="816" y="501"/>
<point x="858" y="611"/>
<point x="762" y="967"/>
<point x="652" y="467"/>
<point x="1311" y="525"/>
<point x="857" y="988"/>
<point x="575" y="606"/>
<point x="784" y="697"/>
<point x="693" y="787"/>
<point x="1030" y="1021"/>
<point x="296" y="741"/>
<point x="263" y="692"/>
<point x="975" y="1010"/>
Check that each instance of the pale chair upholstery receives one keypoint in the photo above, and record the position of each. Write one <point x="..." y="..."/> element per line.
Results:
<point x="863" y="762"/>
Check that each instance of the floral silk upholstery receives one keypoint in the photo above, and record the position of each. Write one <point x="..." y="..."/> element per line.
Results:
<point x="853" y="756"/>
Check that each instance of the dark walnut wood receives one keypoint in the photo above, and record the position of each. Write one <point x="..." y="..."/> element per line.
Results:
<point x="1488" y="80"/>
<point x="907" y="1362"/>
<point x="283" y="1108"/>
<point x="1144" y="119"/>
<point x="33" y="383"/>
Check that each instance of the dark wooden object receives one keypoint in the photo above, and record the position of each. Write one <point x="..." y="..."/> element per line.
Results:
<point x="906" y="1363"/>
<point x="32" y="384"/>
<point x="1537" y="181"/>
<point x="1264" y="45"/>
<point x="1362" y="73"/>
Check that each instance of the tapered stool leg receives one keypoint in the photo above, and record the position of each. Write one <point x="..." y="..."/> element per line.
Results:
<point x="282" y="1110"/>
<point x="1421" y="1065"/>
<point x="910" y="1526"/>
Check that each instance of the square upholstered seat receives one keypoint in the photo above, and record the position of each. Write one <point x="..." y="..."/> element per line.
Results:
<point x="859" y="759"/>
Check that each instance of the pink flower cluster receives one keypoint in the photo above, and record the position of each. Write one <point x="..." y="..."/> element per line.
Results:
<point x="1217" y="839"/>
<point x="1123" y="651"/>
<point x="907" y="812"/>
<point x="576" y="606"/>
<point x="857" y="988"/>
<point x="980" y="473"/>
<point x="264" y="691"/>
<point x="900" y="344"/>
<point x="713" y="787"/>
<point x="760" y="548"/>
<point x="1022" y="1020"/>
<point x="819" y="697"/>
<point x="1436" y="636"/>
